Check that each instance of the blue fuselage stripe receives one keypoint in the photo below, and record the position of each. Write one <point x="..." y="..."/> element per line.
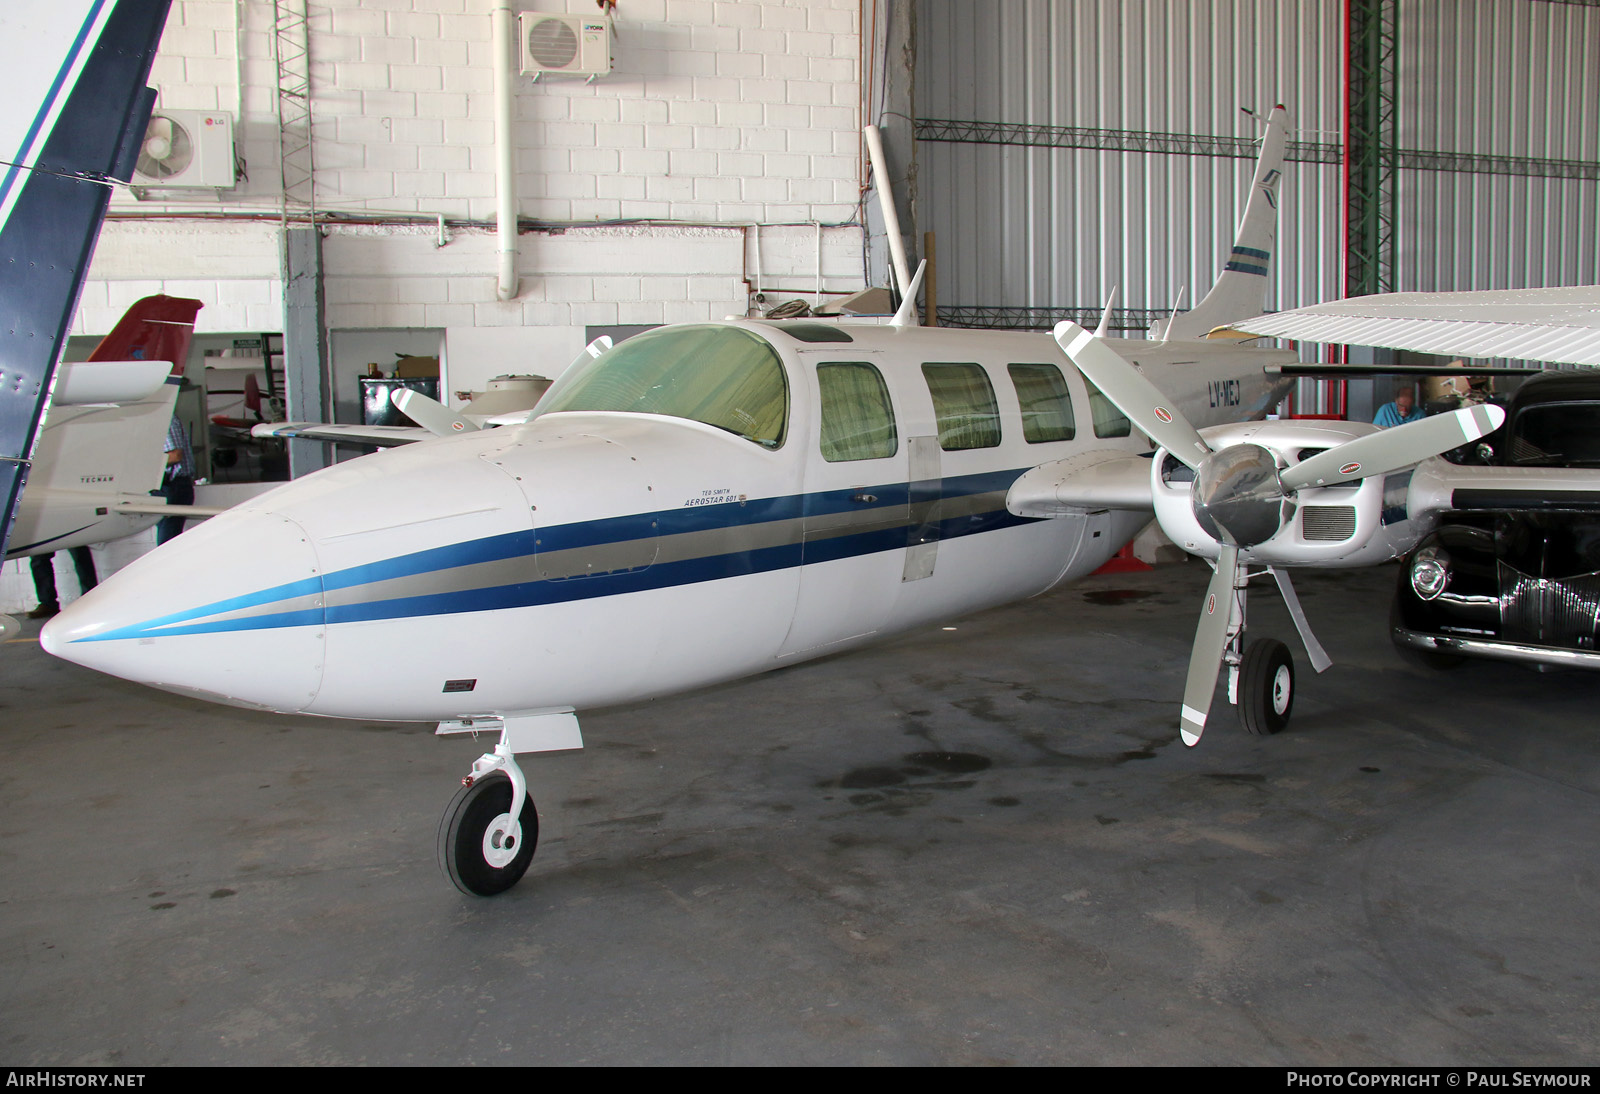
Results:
<point x="609" y="530"/>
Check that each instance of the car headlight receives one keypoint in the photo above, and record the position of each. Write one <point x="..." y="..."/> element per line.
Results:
<point x="1430" y="572"/>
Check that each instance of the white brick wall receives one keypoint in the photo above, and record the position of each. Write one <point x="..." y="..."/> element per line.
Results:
<point x="737" y="115"/>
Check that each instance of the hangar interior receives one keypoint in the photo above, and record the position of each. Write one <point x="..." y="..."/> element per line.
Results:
<point x="1019" y="867"/>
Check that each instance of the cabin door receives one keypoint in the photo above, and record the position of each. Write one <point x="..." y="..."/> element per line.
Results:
<point x="856" y="512"/>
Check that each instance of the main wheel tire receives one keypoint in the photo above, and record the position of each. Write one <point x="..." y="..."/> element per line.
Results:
<point x="1266" y="687"/>
<point x="474" y="849"/>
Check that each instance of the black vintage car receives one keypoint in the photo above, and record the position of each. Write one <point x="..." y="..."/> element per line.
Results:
<point x="1513" y="570"/>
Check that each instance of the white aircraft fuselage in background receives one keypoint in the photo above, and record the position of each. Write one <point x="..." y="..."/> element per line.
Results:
<point x="90" y="459"/>
<point x="589" y="558"/>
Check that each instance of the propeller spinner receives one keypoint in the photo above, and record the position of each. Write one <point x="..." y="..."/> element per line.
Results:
<point x="1242" y="498"/>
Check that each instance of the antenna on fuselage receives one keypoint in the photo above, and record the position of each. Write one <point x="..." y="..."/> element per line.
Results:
<point x="903" y="281"/>
<point x="1166" y="331"/>
<point x="906" y="316"/>
<point x="1105" y="316"/>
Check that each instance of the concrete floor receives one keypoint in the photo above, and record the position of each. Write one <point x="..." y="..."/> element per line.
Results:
<point x="974" y="846"/>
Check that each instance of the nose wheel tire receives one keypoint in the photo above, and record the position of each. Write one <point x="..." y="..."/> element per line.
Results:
<point x="481" y="850"/>
<point x="1266" y="687"/>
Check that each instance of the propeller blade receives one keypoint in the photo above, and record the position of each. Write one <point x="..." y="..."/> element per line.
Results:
<point x="430" y="414"/>
<point x="1319" y="656"/>
<point x="1210" y="640"/>
<point x="1131" y="393"/>
<point x="1391" y="449"/>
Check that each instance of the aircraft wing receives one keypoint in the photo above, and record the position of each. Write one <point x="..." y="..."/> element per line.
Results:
<point x="90" y="383"/>
<point x="162" y="509"/>
<point x="385" y="436"/>
<point x="1560" y="325"/>
<point x="1438" y="486"/>
<point x="1088" y="482"/>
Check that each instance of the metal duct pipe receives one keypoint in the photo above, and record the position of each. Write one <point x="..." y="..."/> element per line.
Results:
<point x="891" y="219"/>
<point x="505" y="178"/>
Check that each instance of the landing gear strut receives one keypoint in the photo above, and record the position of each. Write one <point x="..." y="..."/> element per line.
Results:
<point x="1261" y="671"/>
<point x="481" y="848"/>
<point x="491" y="827"/>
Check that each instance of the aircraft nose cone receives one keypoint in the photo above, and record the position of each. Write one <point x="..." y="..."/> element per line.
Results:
<point x="231" y="611"/>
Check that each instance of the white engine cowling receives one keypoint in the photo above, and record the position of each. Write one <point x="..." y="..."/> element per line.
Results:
<point x="1352" y="524"/>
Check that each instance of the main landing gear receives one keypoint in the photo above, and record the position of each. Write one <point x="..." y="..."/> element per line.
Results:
<point x="1265" y="687"/>
<point x="1261" y="671"/>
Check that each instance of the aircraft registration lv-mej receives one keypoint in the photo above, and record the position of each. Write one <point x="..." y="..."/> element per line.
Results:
<point x="851" y="479"/>
<point x="76" y="107"/>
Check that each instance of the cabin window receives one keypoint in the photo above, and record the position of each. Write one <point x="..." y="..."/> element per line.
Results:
<point x="722" y="376"/>
<point x="964" y="406"/>
<point x="1108" y="420"/>
<point x="857" y="417"/>
<point x="1046" y="403"/>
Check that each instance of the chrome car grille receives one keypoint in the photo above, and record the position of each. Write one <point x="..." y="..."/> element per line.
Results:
<point x="1328" y="523"/>
<point x="1552" y="611"/>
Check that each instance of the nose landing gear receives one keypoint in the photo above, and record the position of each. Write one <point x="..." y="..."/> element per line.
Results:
<point x="490" y="829"/>
<point x="482" y="849"/>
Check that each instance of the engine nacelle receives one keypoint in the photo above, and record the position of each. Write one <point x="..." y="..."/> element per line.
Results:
<point x="1352" y="524"/>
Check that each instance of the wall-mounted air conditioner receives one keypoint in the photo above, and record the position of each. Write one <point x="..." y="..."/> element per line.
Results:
<point x="565" y="45"/>
<point x="187" y="149"/>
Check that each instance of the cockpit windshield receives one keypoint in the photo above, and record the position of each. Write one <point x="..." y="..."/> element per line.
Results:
<point x="723" y="376"/>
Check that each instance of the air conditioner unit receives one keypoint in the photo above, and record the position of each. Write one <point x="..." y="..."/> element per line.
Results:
<point x="185" y="148"/>
<point x="565" y="45"/>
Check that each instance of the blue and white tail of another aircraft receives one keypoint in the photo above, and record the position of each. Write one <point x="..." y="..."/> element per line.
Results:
<point x="699" y="503"/>
<point x="76" y="108"/>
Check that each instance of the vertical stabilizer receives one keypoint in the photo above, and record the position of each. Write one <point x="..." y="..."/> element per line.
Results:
<point x="76" y="110"/>
<point x="157" y="328"/>
<point x="1241" y="290"/>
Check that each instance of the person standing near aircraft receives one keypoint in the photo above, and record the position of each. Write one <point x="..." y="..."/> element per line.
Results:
<point x="1399" y="412"/>
<point x="178" y="484"/>
<point x="44" y="580"/>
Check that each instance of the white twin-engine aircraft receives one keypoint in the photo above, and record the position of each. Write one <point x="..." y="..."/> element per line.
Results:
<point x="700" y="503"/>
